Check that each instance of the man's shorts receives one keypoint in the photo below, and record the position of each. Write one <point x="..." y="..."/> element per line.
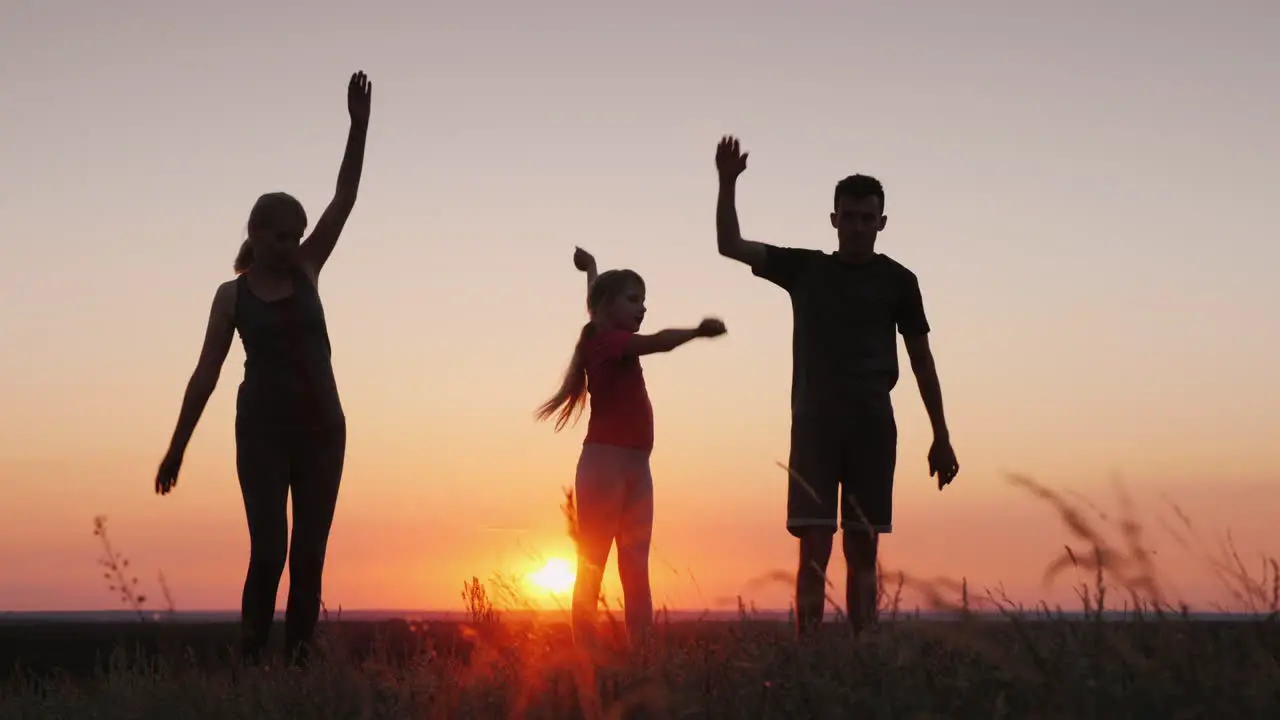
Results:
<point x="857" y="453"/>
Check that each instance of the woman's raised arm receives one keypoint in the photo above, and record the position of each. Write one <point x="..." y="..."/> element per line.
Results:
<point x="317" y="248"/>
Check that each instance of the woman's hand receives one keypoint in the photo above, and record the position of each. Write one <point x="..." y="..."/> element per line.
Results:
<point x="359" y="97"/>
<point x="167" y="475"/>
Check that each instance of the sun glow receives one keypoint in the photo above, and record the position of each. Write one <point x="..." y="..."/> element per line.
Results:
<point x="555" y="577"/>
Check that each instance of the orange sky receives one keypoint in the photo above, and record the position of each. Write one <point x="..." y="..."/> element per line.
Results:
<point x="1093" y="232"/>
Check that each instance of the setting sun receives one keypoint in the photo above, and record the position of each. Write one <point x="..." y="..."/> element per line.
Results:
<point x="555" y="577"/>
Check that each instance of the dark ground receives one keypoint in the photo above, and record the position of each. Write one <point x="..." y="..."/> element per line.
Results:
<point x="80" y="649"/>
<point x="1157" y="668"/>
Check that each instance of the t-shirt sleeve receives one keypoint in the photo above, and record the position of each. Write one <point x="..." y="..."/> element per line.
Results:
<point x="607" y="346"/>
<point x="782" y="266"/>
<point x="909" y="313"/>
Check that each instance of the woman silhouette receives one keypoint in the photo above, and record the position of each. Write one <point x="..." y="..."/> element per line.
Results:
<point x="290" y="426"/>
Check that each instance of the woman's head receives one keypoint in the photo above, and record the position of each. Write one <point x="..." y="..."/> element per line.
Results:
<point x="276" y="225"/>
<point x="616" y="300"/>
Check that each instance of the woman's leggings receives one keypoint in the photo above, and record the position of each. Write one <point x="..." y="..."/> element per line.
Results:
<point x="614" y="500"/>
<point x="272" y="463"/>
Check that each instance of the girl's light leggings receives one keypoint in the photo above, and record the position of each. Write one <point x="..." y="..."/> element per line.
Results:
<point x="614" y="498"/>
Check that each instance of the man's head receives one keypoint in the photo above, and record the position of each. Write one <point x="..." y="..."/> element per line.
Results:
<point x="858" y="214"/>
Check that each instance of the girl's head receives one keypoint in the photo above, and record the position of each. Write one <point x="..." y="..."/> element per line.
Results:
<point x="615" y="302"/>
<point x="276" y="225"/>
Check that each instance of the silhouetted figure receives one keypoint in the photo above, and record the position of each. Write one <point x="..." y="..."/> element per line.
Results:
<point x="290" y="426"/>
<point x="613" y="487"/>
<point x="846" y="306"/>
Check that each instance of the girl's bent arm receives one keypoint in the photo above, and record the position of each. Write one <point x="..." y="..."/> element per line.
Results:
<point x="217" y="341"/>
<point x="586" y="262"/>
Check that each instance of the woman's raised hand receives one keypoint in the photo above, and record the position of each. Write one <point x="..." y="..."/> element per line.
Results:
<point x="359" y="97"/>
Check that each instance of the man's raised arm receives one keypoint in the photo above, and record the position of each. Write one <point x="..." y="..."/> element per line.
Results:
<point x="730" y="163"/>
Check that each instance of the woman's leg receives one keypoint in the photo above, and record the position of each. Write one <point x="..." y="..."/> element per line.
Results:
<point x="599" y="488"/>
<point x="635" y="535"/>
<point x="262" y="466"/>
<point x="316" y="478"/>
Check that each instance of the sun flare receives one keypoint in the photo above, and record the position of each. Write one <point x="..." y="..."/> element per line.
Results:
<point x="555" y="577"/>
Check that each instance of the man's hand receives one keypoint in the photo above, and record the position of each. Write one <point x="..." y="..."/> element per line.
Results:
<point x="359" y="97"/>
<point x="711" y="327"/>
<point x="583" y="260"/>
<point x="942" y="461"/>
<point x="730" y="160"/>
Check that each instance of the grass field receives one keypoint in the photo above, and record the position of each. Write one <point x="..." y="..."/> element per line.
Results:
<point x="1151" y="660"/>
<point x="1142" y="668"/>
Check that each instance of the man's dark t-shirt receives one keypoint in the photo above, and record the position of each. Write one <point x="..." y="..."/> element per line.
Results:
<point x="844" y="348"/>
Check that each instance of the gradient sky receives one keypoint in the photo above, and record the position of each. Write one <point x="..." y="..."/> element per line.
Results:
<point x="1087" y="192"/>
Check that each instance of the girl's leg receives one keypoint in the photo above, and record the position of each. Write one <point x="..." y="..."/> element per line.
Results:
<point x="600" y="490"/>
<point x="317" y="477"/>
<point x="635" y="534"/>
<point x="264" y="485"/>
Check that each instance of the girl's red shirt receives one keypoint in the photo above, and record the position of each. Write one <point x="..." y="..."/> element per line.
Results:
<point x="621" y="413"/>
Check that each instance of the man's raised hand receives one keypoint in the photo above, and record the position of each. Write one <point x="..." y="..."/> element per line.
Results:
<point x="730" y="160"/>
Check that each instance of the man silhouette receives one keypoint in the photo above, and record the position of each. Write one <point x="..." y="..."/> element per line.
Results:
<point x="846" y="306"/>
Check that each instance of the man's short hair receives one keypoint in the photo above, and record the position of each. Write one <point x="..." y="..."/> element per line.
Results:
<point x="856" y="187"/>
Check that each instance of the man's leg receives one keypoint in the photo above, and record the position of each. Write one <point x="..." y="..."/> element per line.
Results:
<point x="813" y="494"/>
<point x="811" y="578"/>
<point x="869" y="462"/>
<point x="862" y="585"/>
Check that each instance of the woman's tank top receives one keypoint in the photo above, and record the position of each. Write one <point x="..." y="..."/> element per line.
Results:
<point x="288" y="375"/>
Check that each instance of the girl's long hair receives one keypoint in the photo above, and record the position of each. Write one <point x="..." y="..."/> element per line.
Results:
<point x="566" y="405"/>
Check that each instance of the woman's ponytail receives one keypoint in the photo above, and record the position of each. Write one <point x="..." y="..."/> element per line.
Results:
<point x="244" y="258"/>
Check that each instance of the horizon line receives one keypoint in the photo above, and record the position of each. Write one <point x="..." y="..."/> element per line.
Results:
<point x="758" y="614"/>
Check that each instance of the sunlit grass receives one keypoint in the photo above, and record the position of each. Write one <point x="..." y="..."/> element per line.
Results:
<point x="1130" y="650"/>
